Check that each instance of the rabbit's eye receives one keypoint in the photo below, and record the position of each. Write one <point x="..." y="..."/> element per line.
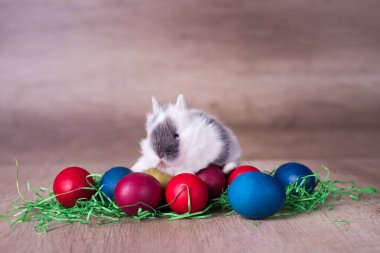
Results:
<point x="176" y="135"/>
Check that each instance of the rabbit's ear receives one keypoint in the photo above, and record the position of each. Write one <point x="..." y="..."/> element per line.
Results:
<point x="156" y="106"/>
<point x="181" y="102"/>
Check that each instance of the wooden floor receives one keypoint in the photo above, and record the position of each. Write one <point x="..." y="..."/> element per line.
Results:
<point x="314" y="232"/>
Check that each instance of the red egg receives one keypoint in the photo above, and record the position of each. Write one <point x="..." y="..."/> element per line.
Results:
<point x="214" y="179"/>
<point x="70" y="180"/>
<point x="178" y="189"/>
<point x="137" y="190"/>
<point x="241" y="170"/>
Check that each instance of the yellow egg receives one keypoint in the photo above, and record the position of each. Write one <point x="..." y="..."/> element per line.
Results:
<point x="160" y="176"/>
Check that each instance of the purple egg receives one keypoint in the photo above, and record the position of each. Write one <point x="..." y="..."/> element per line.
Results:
<point x="214" y="179"/>
<point x="137" y="190"/>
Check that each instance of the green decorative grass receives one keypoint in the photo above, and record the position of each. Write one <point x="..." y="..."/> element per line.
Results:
<point x="100" y="210"/>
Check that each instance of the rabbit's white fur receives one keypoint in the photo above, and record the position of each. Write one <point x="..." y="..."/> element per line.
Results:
<point x="202" y="139"/>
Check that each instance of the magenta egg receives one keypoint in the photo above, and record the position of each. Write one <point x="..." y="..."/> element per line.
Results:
<point x="214" y="179"/>
<point x="137" y="190"/>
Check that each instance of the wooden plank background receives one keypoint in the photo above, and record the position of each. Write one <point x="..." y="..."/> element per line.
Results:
<point x="295" y="80"/>
<point x="79" y="75"/>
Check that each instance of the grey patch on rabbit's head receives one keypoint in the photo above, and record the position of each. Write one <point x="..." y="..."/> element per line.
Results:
<point x="164" y="139"/>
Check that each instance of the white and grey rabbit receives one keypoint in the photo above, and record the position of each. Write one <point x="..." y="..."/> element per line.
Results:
<point x="183" y="140"/>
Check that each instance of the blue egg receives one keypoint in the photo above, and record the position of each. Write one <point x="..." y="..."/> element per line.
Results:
<point x="289" y="173"/>
<point x="255" y="195"/>
<point x="111" y="178"/>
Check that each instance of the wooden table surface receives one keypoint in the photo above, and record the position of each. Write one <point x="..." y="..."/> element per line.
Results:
<point x="314" y="232"/>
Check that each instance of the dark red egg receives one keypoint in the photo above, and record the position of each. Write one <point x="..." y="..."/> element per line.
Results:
<point x="241" y="170"/>
<point x="182" y="186"/>
<point x="137" y="190"/>
<point x="68" y="183"/>
<point x="214" y="179"/>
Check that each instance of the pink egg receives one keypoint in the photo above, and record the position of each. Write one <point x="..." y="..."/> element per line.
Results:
<point x="137" y="190"/>
<point x="214" y="179"/>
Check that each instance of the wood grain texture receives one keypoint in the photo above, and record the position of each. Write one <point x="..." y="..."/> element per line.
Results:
<point x="313" y="232"/>
<point x="79" y="75"/>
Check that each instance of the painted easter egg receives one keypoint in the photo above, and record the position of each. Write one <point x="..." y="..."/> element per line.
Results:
<point x="160" y="176"/>
<point x="214" y="179"/>
<point x="68" y="183"/>
<point x="180" y="187"/>
<point x="289" y="173"/>
<point x="255" y="195"/>
<point x="137" y="190"/>
<point x="241" y="170"/>
<point x="110" y="179"/>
